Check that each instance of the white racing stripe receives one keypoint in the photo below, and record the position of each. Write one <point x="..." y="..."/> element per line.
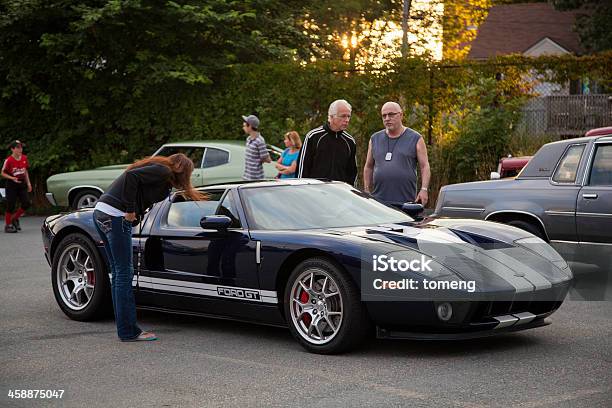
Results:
<point x="527" y="272"/>
<point x="493" y="264"/>
<point x="206" y="289"/>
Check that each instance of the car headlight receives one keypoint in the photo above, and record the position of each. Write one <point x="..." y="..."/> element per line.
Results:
<point x="542" y="248"/>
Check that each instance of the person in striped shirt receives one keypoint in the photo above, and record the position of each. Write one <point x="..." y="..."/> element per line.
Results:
<point x="256" y="151"/>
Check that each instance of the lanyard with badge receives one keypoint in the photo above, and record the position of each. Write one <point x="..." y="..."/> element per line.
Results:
<point x="389" y="154"/>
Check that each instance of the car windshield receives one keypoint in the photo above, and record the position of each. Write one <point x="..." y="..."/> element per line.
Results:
<point x="330" y="205"/>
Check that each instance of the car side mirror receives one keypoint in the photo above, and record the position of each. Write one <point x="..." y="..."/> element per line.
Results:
<point x="495" y="175"/>
<point x="412" y="209"/>
<point x="215" y="222"/>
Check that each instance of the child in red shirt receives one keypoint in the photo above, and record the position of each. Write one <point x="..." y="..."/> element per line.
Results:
<point x="15" y="170"/>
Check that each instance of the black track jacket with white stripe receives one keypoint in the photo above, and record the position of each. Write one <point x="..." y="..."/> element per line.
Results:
<point x="328" y="154"/>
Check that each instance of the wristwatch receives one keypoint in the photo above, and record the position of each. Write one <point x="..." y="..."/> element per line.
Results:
<point x="424" y="189"/>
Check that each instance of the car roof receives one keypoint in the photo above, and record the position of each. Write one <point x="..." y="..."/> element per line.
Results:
<point x="565" y="142"/>
<point x="544" y="161"/>
<point x="603" y="131"/>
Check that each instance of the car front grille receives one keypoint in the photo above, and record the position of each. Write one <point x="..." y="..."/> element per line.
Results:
<point x="485" y="311"/>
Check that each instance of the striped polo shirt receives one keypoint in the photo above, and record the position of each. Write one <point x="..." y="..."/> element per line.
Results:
<point x="256" y="152"/>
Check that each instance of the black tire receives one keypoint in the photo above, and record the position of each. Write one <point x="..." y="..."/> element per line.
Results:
<point x="527" y="226"/>
<point x="85" y="303"/>
<point x="85" y="199"/>
<point x="353" y="324"/>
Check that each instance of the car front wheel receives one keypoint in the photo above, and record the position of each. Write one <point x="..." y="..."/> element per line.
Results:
<point x="323" y="308"/>
<point x="78" y="275"/>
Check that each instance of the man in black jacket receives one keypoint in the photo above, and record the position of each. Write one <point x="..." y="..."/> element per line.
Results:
<point x="329" y="151"/>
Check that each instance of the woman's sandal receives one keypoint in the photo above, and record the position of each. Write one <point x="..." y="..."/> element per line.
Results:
<point x="144" y="336"/>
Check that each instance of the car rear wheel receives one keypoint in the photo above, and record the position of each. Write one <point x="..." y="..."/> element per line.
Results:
<point x="527" y="226"/>
<point x="85" y="199"/>
<point x="79" y="278"/>
<point x="323" y="308"/>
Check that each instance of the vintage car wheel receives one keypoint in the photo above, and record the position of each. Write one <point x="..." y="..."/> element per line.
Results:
<point x="526" y="226"/>
<point x="85" y="199"/>
<point x="79" y="278"/>
<point x="323" y="308"/>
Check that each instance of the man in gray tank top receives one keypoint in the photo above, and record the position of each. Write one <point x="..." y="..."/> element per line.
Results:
<point x="390" y="172"/>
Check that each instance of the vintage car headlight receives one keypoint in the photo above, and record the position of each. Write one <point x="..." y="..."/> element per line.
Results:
<point x="542" y="248"/>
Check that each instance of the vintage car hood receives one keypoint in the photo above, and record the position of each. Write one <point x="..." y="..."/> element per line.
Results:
<point x="113" y="167"/>
<point x="87" y="175"/>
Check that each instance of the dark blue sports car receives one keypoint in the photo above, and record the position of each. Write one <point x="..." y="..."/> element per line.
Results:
<point x="326" y="260"/>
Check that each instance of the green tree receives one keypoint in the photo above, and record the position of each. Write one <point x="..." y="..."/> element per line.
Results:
<point x="103" y="81"/>
<point x="594" y="22"/>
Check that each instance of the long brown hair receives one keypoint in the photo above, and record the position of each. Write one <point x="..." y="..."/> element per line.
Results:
<point x="181" y="167"/>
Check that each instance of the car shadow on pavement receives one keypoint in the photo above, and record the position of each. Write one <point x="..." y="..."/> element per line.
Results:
<point x="448" y="348"/>
<point x="279" y="336"/>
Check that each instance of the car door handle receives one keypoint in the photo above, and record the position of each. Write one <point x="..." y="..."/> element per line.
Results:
<point x="589" y="196"/>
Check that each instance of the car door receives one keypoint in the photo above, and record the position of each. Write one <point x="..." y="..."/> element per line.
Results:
<point x="594" y="203"/>
<point x="559" y="198"/>
<point x="140" y="235"/>
<point x="192" y="261"/>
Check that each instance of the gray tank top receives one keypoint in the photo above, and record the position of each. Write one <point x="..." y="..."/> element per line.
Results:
<point x="395" y="180"/>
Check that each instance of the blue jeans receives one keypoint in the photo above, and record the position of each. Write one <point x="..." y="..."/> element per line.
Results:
<point x="116" y="232"/>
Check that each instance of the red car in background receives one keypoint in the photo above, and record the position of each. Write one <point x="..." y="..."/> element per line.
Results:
<point x="511" y="166"/>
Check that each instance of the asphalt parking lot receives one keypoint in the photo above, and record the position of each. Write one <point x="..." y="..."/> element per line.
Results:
<point x="205" y="362"/>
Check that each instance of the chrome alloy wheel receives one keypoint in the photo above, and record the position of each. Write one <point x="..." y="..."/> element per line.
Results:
<point x="316" y="306"/>
<point x="87" y="201"/>
<point x="76" y="278"/>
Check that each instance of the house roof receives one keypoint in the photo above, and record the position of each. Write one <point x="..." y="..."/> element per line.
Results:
<point x="512" y="29"/>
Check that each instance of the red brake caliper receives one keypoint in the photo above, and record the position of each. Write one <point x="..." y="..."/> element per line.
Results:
<point x="91" y="278"/>
<point x="306" y="318"/>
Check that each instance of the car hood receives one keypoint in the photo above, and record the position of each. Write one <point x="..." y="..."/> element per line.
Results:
<point x="113" y="167"/>
<point x="87" y="175"/>
<point x="492" y="254"/>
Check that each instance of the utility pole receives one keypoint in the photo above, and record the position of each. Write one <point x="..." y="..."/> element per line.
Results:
<point x="405" y="18"/>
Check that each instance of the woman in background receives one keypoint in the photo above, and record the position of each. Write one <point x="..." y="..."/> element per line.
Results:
<point x="144" y="183"/>
<point x="287" y="163"/>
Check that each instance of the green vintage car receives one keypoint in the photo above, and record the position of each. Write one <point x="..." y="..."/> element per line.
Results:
<point x="216" y="161"/>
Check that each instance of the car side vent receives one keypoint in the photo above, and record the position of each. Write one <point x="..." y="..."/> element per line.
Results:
<point x="480" y="240"/>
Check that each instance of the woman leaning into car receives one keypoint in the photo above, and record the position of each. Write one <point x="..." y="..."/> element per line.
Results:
<point x="144" y="183"/>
